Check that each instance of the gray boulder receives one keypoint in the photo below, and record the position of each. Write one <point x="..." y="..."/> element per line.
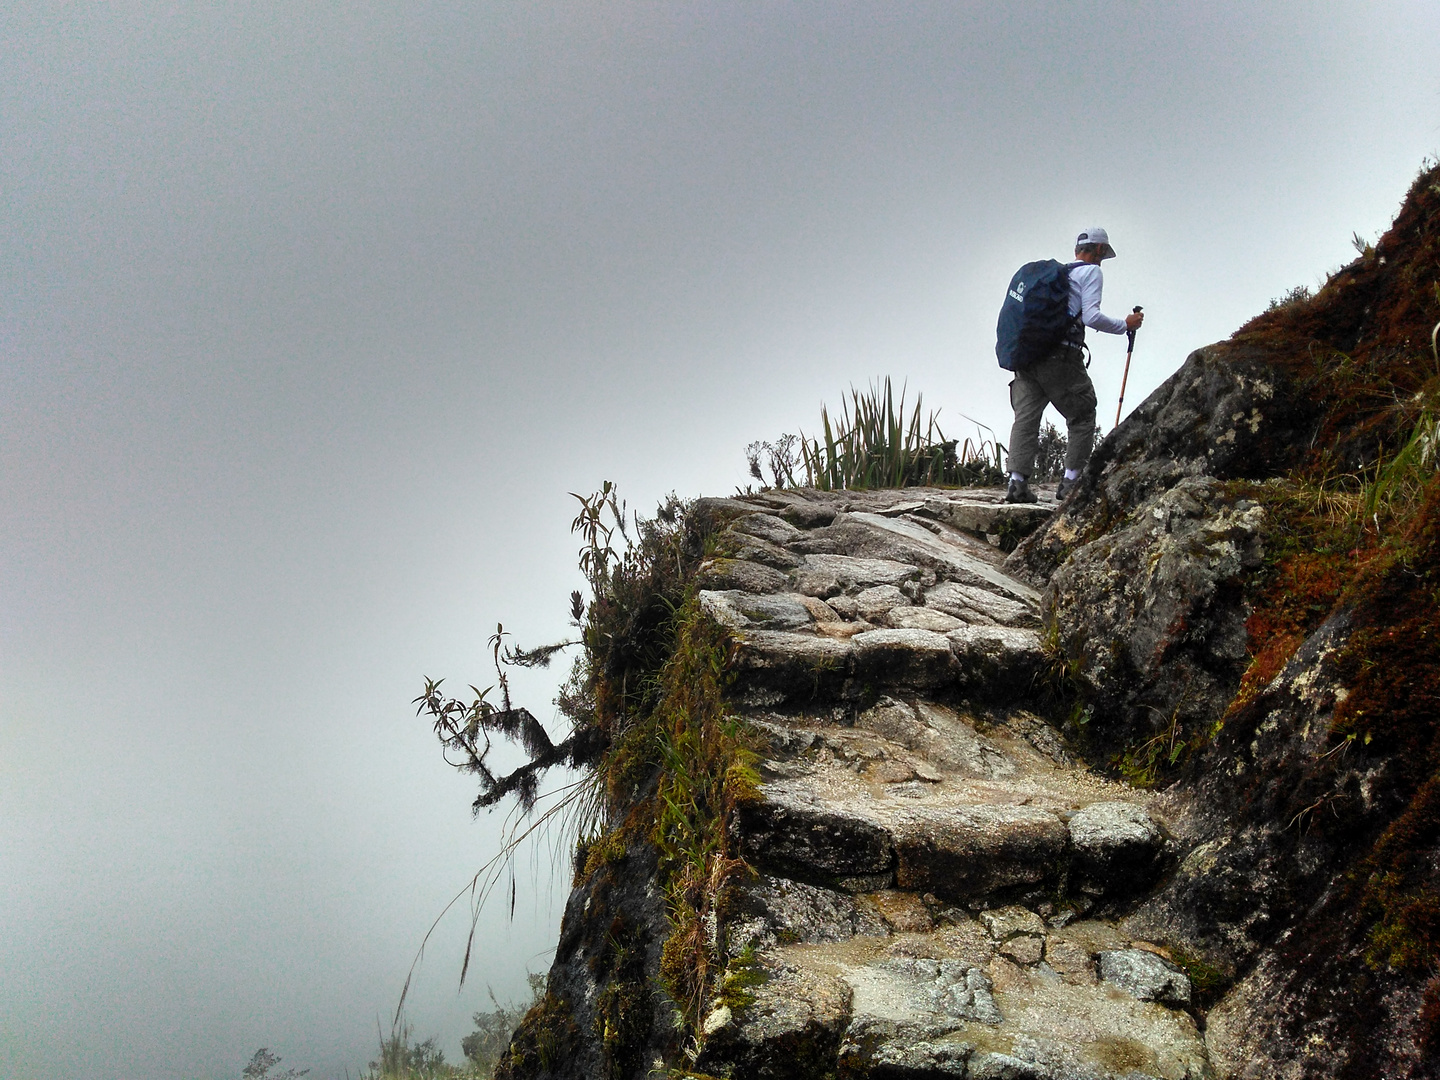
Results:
<point x="770" y="910"/>
<point x="876" y="601"/>
<point x="1145" y="975"/>
<point x="767" y="527"/>
<point x="792" y="666"/>
<point x="948" y="987"/>
<point x="980" y="606"/>
<point x="854" y="574"/>
<point x="804" y="841"/>
<point x="876" y="1047"/>
<point x="751" y="577"/>
<point x="1116" y="846"/>
<point x="741" y="610"/>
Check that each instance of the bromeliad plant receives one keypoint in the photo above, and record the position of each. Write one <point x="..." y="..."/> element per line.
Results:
<point x="875" y="443"/>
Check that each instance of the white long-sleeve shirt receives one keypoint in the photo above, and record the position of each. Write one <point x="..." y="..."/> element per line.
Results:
<point x="1086" y="283"/>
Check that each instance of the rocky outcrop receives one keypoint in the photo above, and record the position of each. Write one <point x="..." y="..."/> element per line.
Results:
<point x="941" y="886"/>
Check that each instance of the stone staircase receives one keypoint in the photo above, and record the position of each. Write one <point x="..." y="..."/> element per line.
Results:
<point x="942" y="884"/>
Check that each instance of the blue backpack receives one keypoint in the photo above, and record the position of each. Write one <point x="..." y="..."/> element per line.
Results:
<point x="1035" y="315"/>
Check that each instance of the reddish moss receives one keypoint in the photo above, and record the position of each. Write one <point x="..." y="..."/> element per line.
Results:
<point x="1362" y="343"/>
<point x="1301" y="592"/>
<point x="1391" y="668"/>
<point x="1430" y="1017"/>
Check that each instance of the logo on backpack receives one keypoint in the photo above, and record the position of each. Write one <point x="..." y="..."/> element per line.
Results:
<point x="1035" y="315"/>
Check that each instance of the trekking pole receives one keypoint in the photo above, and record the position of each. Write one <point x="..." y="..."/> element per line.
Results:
<point x="1126" y="377"/>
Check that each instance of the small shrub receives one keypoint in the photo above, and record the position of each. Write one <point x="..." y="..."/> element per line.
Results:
<point x="779" y="455"/>
<point x="1298" y="295"/>
<point x="1050" y="461"/>
<point x="261" y="1064"/>
<point x="484" y="1046"/>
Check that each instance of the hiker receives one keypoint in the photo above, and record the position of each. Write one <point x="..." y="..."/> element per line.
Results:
<point x="1060" y="378"/>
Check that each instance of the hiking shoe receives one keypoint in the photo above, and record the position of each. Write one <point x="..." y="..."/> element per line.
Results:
<point x="1019" y="492"/>
<point x="1065" y="487"/>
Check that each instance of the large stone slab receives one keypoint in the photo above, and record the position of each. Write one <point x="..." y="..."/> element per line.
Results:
<point x="891" y="1050"/>
<point x="915" y="658"/>
<point x="1042" y="1027"/>
<point x="965" y="851"/>
<point x="905" y="541"/>
<point x="854" y="573"/>
<point x="949" y="989"/>
<point x="771" y="910"/>
<point x="792" y="666"/>
<point x="989" y="518"/>
<point x="767" y="527"/>
<point x="743" y="610"/>
<point x="939" y="735"/>
<point x="874" y="603"/>
<point x="791" y="834"/>
<point x="972" y="604"/>
<point x="1146" y="976"/>
<point x="922" y="618"/>
<point x="997" y="661"/>
<point x="741" y="575"/>
<point x="741" y="545"/>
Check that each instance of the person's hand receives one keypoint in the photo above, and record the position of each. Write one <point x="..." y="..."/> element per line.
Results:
<point x="1134" y="319"/>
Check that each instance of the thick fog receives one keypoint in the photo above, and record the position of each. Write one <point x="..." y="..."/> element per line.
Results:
<point x="312" y="316"/>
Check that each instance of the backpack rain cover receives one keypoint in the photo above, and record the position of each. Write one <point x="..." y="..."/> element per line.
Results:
<point x="1035" y="314"/>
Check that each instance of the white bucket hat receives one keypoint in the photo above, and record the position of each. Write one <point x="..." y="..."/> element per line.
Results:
<point x="1097" y="236"/>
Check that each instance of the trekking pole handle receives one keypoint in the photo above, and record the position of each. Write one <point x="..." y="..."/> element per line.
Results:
<point x="1126" y="377"/>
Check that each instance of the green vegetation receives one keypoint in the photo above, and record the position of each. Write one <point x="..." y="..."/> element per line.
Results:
<point x="875" y="443"/>
<point x="707" y="765"/>
<point x="742" y="974"/>
<point x="401" y="1058"/>
<point x="662" y="761"/>
<point x="547" y="1035"/>
<point x="1206" y="980"/>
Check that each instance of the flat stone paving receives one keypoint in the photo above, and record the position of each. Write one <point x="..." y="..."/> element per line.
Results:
<point x="928" y="847"/>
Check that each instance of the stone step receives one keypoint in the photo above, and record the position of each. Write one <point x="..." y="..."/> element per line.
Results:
<point x="953" y="849"/>
<point x="912" y="794"/>
<point x="828" y="662"/>
<point x="891" y="985"/>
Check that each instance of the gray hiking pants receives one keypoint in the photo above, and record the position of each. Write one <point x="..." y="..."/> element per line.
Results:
<point x="1060" y="380"/>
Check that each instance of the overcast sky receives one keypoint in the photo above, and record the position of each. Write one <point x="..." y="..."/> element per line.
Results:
<point x="312" y="314"/>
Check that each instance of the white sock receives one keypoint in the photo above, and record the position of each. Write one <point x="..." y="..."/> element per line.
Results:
<point x="1017" y="476"/>
<point x="1071" y="474"/>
